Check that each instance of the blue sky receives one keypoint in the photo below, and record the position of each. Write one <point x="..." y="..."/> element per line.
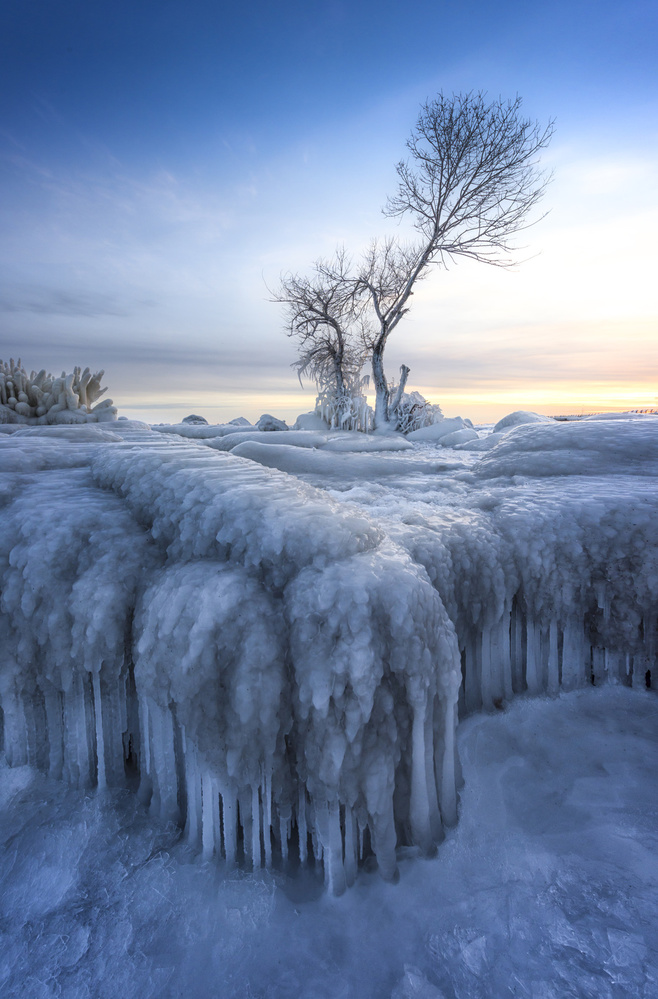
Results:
<point x="161" y="164"/>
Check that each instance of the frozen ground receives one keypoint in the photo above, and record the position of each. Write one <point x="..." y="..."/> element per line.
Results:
<point x="547" y="888"/>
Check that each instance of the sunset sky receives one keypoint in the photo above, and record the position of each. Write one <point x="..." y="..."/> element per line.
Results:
<point x="162" y="164"/>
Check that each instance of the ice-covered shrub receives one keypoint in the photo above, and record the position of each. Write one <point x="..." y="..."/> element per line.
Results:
<point x="413" y="412"/>
<point x="41" y="398"/>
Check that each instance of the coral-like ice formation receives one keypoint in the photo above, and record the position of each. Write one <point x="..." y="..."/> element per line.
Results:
<point x="41" y="398"/>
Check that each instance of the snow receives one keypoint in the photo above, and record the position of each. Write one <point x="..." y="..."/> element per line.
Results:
<point x="272" y="645"/>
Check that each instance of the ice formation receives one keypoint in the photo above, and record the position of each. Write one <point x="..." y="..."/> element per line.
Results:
<point x="281" y="665"/>
<point x="44" y="399"/>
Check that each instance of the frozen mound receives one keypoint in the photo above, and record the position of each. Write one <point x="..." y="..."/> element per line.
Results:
<point x="578" y="448"/>
<point x="481" y="443"/>
<point x="328" y="463"/>
<point x="520" y="418"/>
<point x="193" y="418"/>
<point x="311" y="421"/>
<point x="436" y="431"/>
<point x="463" y="436"/>
<point x="269" y="423"/>
<point x="359" y="443"/>
<point x="43" y="399"/>
<point x="280" y="673"/>
<point x="291" y="438"/>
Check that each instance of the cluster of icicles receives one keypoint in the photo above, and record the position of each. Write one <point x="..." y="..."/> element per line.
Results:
<point x="41" y="398"/>
<point x="279" y="675"/>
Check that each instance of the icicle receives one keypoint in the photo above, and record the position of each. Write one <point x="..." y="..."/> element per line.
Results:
<point x="518" y="650"/>
<point x="472" y="685"/>
<point x="53" y="702"/>
<point x="384" y="841"/>
<point x="301" y="825"/>
<point x="144" y="734"/>
<point x="100" y="741"/>
<point x="506" y="654"/>
<point x="573" y="656"/>
<point x="598" y="666"/>
<point x="448" y="789"/>
<point x="533" y="671"/>
<point x="485" y="680"/>
<point x="419" y="806"/>
<point x="216" y="817"/>
<point x="436" y="828"/>
<point x="229" y="827"/>
<point x="327" y="817"/>
<point x="163" y="761"/>
<point x="208" y="816"/>
<point x="553" y="684"/>
<point x="284" y="835"/>
<point x="244" y="801"/>
<point x="255" y="827"/>
<point x="267" y="818"/>
<point x="193" y="818"/>
<point x="351" y="847"/>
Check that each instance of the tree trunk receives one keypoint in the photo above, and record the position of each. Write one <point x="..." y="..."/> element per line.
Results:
<point x="381" y="388"/>
<point x="404" y="374"/>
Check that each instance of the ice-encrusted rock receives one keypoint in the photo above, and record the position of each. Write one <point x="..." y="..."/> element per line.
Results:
<point x="268" y="423"/>
<point x="193" y="418"/>
<point x="520" y="418"/>
<point x="311" y="421"/>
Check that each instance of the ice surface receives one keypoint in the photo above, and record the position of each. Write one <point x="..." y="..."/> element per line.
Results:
<point x="547" y="887"/>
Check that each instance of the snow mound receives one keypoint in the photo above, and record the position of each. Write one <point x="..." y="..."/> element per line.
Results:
<point x="311" y="421"/>
<point x="578" y="448"/>
<point x="520" y="418"/>
<point x="434" y="432"/>
<point x="463" y="436"/>
<point x="270" y="423"/>
<point x="359" y="443"/>
<point x="291" y="438"/>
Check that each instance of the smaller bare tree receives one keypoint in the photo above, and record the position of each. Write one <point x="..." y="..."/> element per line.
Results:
<point x="326" y="319"/>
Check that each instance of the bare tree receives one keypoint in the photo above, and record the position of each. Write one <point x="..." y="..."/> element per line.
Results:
<point x="326" y="318"/>
<point x="469" y="186"/>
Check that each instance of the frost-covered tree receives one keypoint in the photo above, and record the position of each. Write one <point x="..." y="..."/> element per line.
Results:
<point x="469" y="185"/>
<point x="325" y="317"/>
